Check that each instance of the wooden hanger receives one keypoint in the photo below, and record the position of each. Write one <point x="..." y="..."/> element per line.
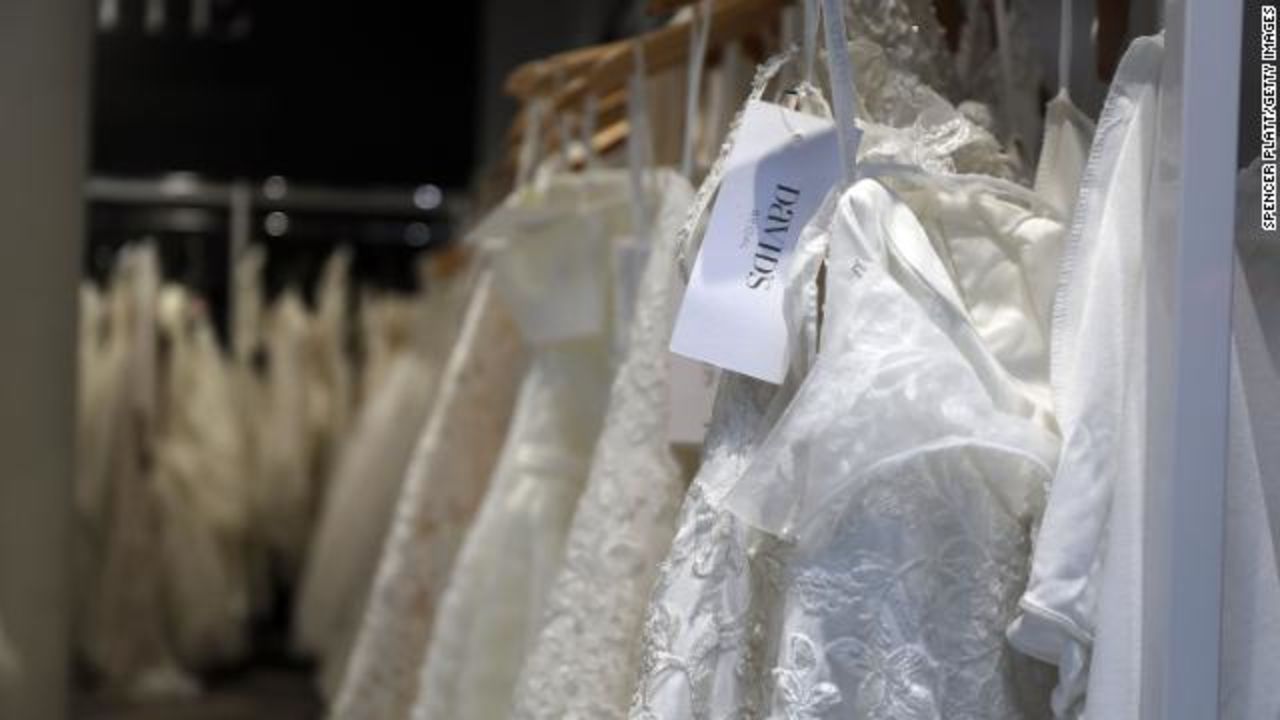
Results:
<point x="669" y="46"/>
<point x="603" y="70"/>
<point x="538" y="77"/>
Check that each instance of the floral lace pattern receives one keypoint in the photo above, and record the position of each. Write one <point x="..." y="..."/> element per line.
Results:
<point x="891" y="617"/>
<point x="911" y="34"/>
<point x="583" y="662"/>
<point x="909" y="497"/>
<point x="705" y="649"/>
<point x="716" y="616"/>
<point x="444" y="486"/>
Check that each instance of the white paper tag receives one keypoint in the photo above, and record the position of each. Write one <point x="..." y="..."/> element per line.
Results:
<point x="780" y="168"/>
<point x="691" y="391"/>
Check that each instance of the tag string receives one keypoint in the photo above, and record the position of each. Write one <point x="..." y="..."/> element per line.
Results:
<point x="699" y="33"/>
<point x="843" y="92"/>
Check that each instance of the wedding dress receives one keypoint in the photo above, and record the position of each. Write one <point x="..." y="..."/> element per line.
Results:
<point x="280" y="496"/>
<point x="1084" y="606"/>
<point x="884" y="614"/>
<point x="328" y="372"/>
<point x="490" y="611"/>
<point x="201" y="482"/>
<point x="122" y="629"/>
<point x="443" y="486"/>
<point x="360" y="497"/>
<point x="252" y="393"/>
<point x="1068" y="133"/>
<point x="707" y="643"/>
<point x="582" y="662"/>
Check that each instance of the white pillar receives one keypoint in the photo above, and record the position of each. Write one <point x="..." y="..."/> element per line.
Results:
<point x="44" y="68"/>
<point x="1194" y="192"/>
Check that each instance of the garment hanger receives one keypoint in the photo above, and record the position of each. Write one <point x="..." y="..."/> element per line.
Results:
<point x="603" y="70"/>
<point x="609" y="113"/>
<point x="730" y="21"/>
<point x="669" y="46"/>
<point x="538" y="77"/>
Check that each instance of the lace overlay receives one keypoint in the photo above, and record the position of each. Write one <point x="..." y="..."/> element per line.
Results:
<point x="908" y="493"/>
<point x="888" y="616"/>
<point x="583" y="662"/>
<point x="446" y="480"/>
<point x="705" y="647"/>
<point x="910" y="32"/>
<point x="715" y="621"/>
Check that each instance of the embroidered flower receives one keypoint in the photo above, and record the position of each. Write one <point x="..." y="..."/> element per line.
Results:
<point x="804" y="695"/>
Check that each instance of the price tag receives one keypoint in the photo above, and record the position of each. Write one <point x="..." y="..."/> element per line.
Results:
<point x="780" y="169"/>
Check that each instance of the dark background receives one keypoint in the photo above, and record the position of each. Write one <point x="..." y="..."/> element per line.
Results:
<point x="336" y="92"/>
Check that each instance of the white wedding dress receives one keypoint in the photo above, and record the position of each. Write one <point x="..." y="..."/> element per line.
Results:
<point x="343" y="553"/>
<point x="1084" y="608"/>
<point x="904" y="415"/>
<point x="443" y="486"/>
<point x="583" y="661"/>
<point x="201" y="480"/>
<point x="1068" y="134"/>
<point x="708" y="645"/>
<point x="492" y="607"/>
<point x="122" y="629"/>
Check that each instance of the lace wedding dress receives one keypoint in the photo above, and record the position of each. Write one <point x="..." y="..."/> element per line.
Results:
<point x="361" y="495"/>
<point x="583" y="660"/>
<point x="446" y="480"/>
<point x="905" y="475"/>
<point x="707" y="640"/>
<point x="490" y="611"/>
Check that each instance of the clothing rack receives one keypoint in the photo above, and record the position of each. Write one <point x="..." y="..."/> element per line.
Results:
<point x="1195" y="203"/>
<point x="242" y="200"/>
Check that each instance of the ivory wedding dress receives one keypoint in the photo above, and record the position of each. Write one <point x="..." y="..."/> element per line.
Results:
<point x="122" y="629"/>
<point x="1085" y="603"/>
<point x="360" y="497"/>
<point x="280" y="496"/>
<point x="582" y="662"/>
<point x="201" y="480"/>
<point x="708" y="643"/>
<point x="904" y="415"/>
<point x="1068" y="133"/>
<point x="443" y="486"/>
<point x="490" y="611"/>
